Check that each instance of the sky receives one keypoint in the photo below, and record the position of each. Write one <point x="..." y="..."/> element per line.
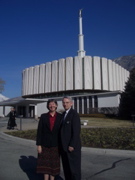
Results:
<point x="33" y="32"/>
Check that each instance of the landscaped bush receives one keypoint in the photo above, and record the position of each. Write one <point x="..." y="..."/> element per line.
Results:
<point x="93" y="115"/>
<point x="114" y="138"/>
<point x="29" y="134"/>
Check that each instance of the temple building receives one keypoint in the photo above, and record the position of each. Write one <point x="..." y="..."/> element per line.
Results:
<point x="94" y="83"/>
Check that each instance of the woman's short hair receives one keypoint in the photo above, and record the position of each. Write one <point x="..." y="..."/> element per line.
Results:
<point x="51" y="100"/>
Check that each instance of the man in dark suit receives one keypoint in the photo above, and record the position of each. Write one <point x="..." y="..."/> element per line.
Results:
<point x="70" y="141"/>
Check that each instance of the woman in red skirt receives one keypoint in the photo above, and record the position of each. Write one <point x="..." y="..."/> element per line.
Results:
<point x="48" y="162"/>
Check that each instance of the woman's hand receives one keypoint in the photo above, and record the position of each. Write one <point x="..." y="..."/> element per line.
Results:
<point x="39" y="149"/>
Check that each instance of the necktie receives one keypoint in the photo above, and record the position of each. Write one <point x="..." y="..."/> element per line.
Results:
<point x="63" y="120"/>
<point x="65" y="115"/>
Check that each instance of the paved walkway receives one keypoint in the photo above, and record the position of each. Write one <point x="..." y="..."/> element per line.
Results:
<point x="18" y="158"/>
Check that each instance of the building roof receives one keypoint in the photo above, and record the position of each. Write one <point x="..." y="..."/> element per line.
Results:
<point x="21" y="101"/>
<point x="3" y="98"/>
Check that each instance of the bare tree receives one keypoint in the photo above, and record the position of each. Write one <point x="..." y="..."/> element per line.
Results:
<point x="2" y="83"/>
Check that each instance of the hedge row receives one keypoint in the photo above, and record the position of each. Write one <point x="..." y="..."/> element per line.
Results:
<point x="114" y="138"/>
<point x="93" y="115"/>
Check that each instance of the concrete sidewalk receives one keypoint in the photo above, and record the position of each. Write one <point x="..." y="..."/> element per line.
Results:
<point x="22" y="124"/>
<point x="97" y="164"/>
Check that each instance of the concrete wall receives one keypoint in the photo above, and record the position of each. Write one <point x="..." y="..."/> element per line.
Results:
<point x="7" y="110"/>
<point x="42" y="78"/>
<point x="78" y="84"/>
<point x="104" y="74"/>
<point x="31" y="80"/>
<point x="69" y="73"/>
<point x="108" y="101"/>
<point x="61" y="80"/>
<point x="36" y="80"/>
<point x="110" y="75"/>
<point x="104" y="100"/>
<point x="88" y="73"/>
<point x="41" y="108"/>
<point x="54" y="76"/>
<point x="97" y="72"/>
<point x="48" y="77"/>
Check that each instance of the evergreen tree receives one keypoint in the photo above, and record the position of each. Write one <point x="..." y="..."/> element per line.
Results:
<point x="127" y="102"/>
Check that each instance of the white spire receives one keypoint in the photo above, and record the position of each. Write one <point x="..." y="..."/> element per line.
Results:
<point x="81" y="51"/>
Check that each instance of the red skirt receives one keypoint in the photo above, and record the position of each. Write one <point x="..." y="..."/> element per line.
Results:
<point x="48" y="161"/>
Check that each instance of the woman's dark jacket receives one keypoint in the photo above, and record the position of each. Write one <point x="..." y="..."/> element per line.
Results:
<point x="11" y="121"/>
<point x="46" y="137"/>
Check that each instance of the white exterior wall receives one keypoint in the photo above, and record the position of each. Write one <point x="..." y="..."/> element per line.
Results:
<point x="69" y="73"/>
<point x="54" y="76"/>
<point x="104" y="76"/>
<point x="31" y="80"/>
<point x="26" y="80"/>
<point x="48" y="77"/>
<point x="110" y="75"/>
<point x="42" y="78"/>
<point x="23" y="83"/>
<point x="97" y="72"/>
<point x="120" y="78"/>
<point x="109" y="101"/>
<point x="114" y="76"/>
<point x="61" y="82"/>
<point x="104" y="100"/>
<point x="7" y="110"/>
<point x="117" y="77"/>
<point x="36" y="80"/>
<point x="78" y="81"/>
<point x="88" y="73"/>
<point x="41" y="108"/>
<point x="123" y="79"/>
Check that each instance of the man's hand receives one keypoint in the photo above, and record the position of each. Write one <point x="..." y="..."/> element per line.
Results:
<point x="70" y="148"/>
<point x="39" y="149"/>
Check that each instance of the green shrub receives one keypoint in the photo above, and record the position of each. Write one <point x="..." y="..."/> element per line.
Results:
<point x="29" y="134"/>
<point x="114" y="138"/>
<point x="93" y="115"/>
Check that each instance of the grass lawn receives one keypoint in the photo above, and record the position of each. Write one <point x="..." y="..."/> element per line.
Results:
<point x="107" y="122"/>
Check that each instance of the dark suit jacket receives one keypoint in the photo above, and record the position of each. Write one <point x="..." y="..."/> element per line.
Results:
<point x="46" y="137"/>
<point x="70" y="131"/>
